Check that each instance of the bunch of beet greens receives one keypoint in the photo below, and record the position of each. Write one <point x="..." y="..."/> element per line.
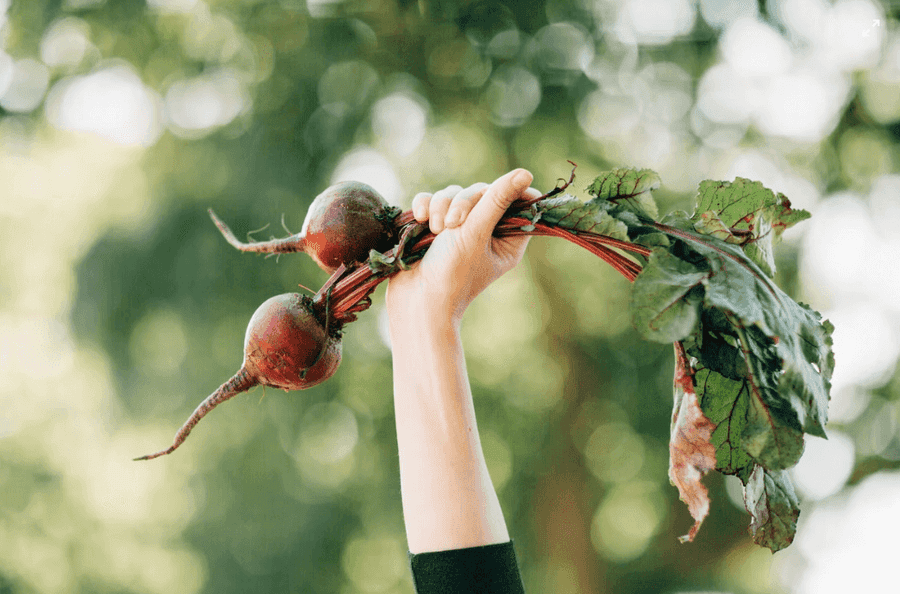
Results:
<point x="752" y="366"/>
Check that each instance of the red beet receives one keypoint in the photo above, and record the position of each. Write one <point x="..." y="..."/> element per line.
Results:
<point x="342" y="224"/>
<point x="285" y="347"/>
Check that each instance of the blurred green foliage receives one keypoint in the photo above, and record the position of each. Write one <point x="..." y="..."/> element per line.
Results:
<point x="140" y="306"/>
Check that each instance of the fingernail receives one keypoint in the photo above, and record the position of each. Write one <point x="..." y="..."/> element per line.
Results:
<point x="522" y="178"/>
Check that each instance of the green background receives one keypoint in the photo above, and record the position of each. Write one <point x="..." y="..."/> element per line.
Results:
<point x="121" y="306"/>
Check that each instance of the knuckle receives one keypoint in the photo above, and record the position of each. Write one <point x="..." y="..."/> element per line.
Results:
<point x="449" y="191"/>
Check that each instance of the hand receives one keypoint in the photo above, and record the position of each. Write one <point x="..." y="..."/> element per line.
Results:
<point x="464" y="258"/>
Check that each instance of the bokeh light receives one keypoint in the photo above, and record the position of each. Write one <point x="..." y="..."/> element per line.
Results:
<point x="374" y="564"/>
<point x="66" y="43"/>
<point x="198" y="105"/>
<point x="369" y="166"/>
<point x="512" y="95"/>
<point x="111" y="102"/>
<point x="826" y="465"/>
<point x="345" y="87"/>
<point x="614" y="452"/>
<point x="26" y="81"/>
<point x="121" y="306"/>
<point x="400" y="122"/>
<point x="847" y="542"/>
<point x="626" y="521"/>
<point x="720" y="13"/>
<point x="654" y="22"/>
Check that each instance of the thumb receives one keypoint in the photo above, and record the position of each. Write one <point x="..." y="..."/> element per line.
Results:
<point x="504" y="191"/>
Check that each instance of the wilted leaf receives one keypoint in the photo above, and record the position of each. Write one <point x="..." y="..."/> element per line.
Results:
<point x="691" y="455"/>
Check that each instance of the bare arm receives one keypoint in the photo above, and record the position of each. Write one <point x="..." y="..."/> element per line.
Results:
<point x="449" y="501"/>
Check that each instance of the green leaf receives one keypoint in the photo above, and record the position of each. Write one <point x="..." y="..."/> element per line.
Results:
<point x="774" y="508"/>
<point x="785" y="345"/>
<point x="379" y="263"/>
<point x="570" y="213"/>
<point x="760" y="363"/>
<point x="745" y="213"/>
<point x="665" y="297"/>
<point x="628" y="188"/>
<point x="725" y="402"/>
<point x="768" y="358"/>
<point x="716" y="346"/>
<point x="740" y="203"/>
<point x="750" y="426"/>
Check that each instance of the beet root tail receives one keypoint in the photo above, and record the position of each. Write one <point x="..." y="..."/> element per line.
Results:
<point x="285" y="245"/>
<point x="240" y="382"/>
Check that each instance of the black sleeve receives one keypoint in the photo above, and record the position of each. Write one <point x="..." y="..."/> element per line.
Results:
<point x="491" y="569"/>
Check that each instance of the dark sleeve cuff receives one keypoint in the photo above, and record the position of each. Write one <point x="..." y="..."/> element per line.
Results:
<point x="490" y="569"/>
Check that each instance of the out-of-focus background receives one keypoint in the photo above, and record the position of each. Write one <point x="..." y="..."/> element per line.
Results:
<point x="121" y="306"/>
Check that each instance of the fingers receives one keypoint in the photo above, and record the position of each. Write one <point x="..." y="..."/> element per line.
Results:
<point x="438" y="207"/>
<point x="420" y="206"/>
<point x="450" y="207"/>
<point x="462" y="204"/>
<point x="497" y="198"/>
<point x="447" y="208"/>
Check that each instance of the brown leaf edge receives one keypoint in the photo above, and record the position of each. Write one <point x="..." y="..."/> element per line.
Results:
<point x="691" y="455"/>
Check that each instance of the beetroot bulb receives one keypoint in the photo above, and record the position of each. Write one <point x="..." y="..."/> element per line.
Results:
<point x="342" y="224"/>
<point x="285" y="347"/>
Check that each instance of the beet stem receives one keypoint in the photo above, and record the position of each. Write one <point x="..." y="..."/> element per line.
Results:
<point x="285" y="245"/>
<point x="240" y="382"/>
<point x="350" y="294"/>
<point x="327" y="321"/>
<point x="345" y="295"/>
<point x="558" y="189"/>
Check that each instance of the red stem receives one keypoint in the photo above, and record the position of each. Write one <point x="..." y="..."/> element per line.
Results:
<point x="350" y="288"/>
<point x="347" y="293"/>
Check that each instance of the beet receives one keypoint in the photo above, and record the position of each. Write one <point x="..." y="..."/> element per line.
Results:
<point x="342" y="224"/>
<point x="284" y="343"/>
<point x="285" y="347"/>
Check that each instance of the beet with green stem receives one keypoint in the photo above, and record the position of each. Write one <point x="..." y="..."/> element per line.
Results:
<point x="285" y="346"/>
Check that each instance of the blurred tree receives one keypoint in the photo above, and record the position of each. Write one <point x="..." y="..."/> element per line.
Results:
<point x="255" y="106"/>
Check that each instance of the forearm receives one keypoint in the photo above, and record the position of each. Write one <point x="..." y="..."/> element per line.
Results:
<point x="449" y="501"/>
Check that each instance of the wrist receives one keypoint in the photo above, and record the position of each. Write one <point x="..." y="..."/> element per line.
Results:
<point x="412" y="311"/>
<point x="416" y="327"/>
